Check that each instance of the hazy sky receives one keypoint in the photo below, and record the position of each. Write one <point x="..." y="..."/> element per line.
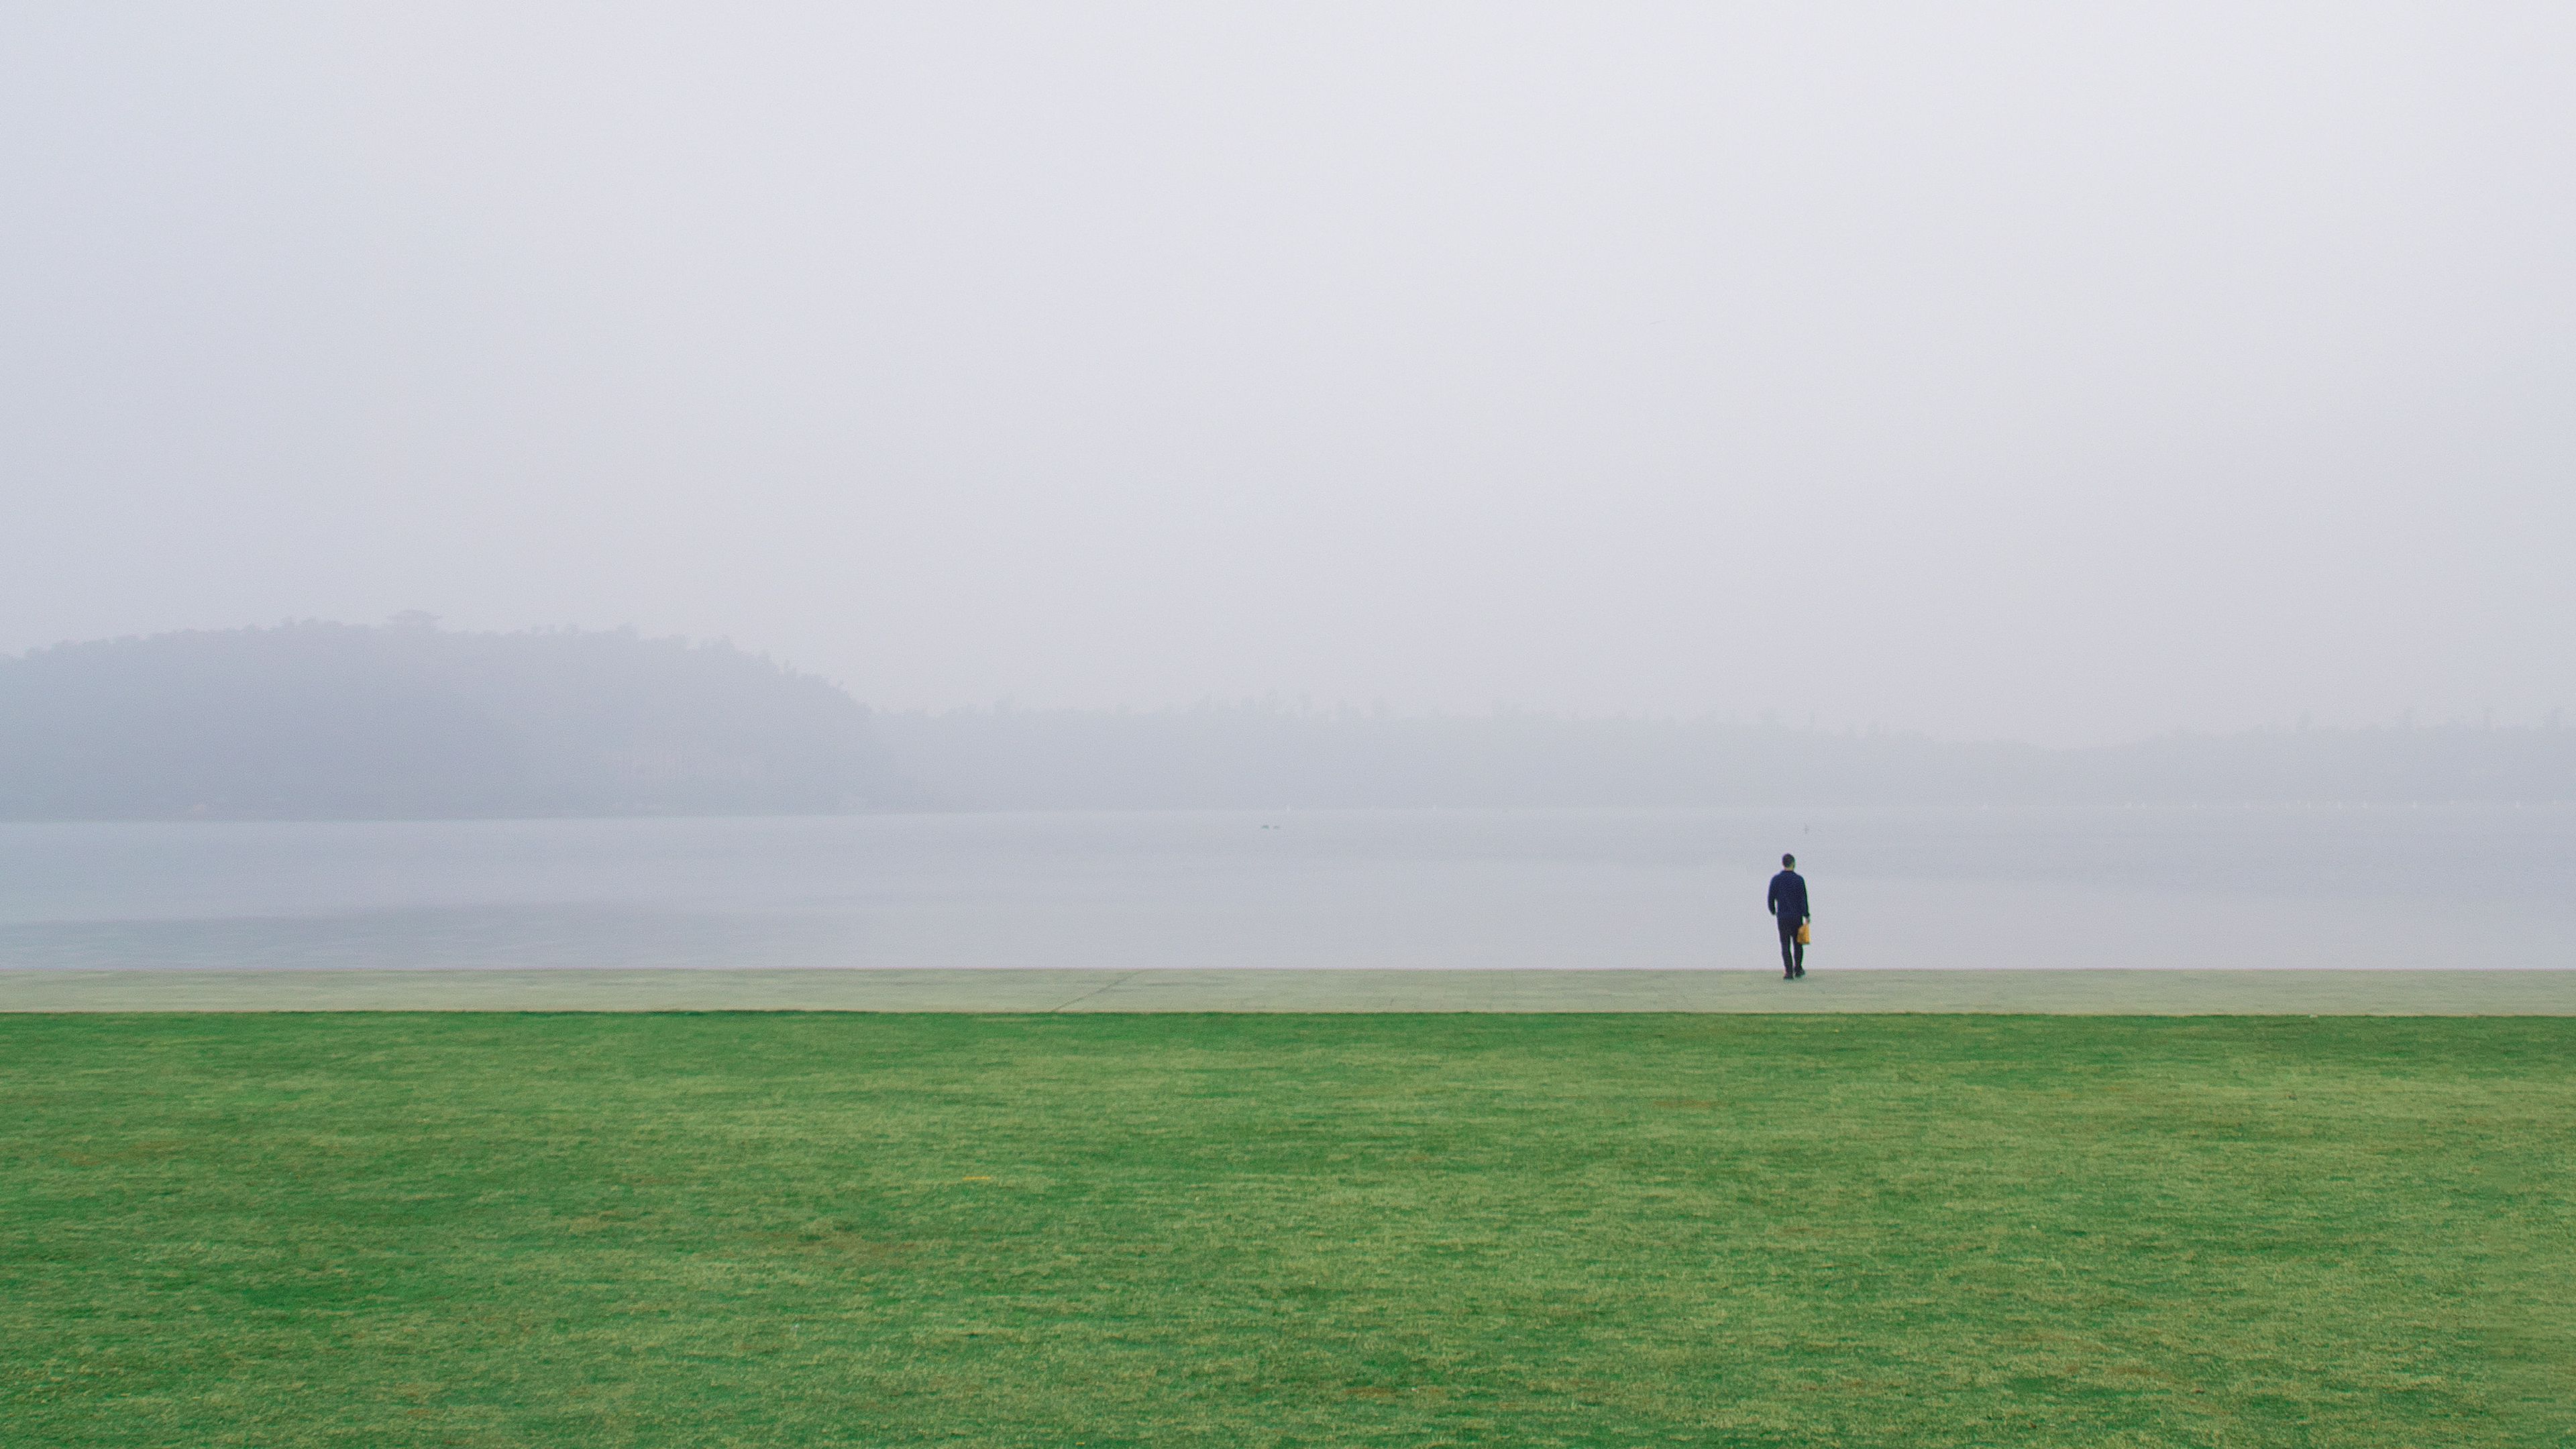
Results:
<point x="2062" y="371"/>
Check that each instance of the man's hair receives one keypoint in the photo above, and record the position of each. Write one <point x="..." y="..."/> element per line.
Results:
<point x="1789" y="862"/>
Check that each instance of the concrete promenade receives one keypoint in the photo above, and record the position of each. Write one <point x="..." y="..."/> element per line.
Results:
<point x="2079" y="992"/>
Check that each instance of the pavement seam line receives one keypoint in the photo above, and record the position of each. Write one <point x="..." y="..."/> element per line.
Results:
<point x="1122" y="980"/>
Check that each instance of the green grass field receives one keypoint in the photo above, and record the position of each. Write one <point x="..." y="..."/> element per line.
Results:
<point x="1352" y="1230"/>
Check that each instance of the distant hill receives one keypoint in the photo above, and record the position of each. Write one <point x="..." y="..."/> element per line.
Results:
<point x="406" y="720"/>
<point x="1262" y="756"/>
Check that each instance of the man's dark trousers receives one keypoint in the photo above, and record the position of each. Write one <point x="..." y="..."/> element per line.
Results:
<point x="1793" y="955"/>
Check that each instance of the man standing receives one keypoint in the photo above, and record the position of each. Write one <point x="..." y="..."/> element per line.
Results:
<point x="1789" y="912"/>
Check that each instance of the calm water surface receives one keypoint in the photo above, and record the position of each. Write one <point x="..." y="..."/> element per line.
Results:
<point x="2301" y="887"/>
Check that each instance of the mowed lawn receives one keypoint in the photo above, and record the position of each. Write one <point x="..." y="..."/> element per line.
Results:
<point x="766" y="1229"/>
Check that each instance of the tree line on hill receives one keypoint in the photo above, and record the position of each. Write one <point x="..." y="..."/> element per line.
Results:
<point x="314" y="720"/>
<point x="317" y="720"/>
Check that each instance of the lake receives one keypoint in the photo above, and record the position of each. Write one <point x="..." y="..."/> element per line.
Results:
<point x="1944" y="888"/>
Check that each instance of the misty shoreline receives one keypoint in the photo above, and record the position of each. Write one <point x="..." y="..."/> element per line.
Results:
<point x="317" y="721"/>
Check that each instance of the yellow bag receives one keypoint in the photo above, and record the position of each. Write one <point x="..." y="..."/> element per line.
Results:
<point x="1804" y="939"/>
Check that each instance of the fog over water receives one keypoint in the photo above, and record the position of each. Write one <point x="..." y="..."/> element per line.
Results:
<point x="1960" y="444"/>
<point x="2033" y="372"/>
<point x="2246" y="887"/>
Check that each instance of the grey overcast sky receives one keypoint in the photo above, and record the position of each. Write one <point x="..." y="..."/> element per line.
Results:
<point x="2067" y="372"/>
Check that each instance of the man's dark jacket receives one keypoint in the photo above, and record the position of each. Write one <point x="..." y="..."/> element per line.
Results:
<point x="1789" y="899"/>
